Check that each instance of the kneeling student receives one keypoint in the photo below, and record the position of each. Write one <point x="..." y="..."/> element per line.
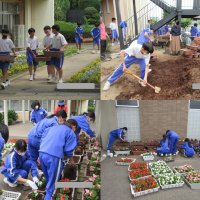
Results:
<point x="187" y="148"/>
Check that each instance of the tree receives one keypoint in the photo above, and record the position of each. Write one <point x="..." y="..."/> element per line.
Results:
<point x="186" y="22"/>
<point x="92" y="15"/>
<point x="82" y="4"/>
<point x="61" y="9"/>
<point x="73" y="4"/>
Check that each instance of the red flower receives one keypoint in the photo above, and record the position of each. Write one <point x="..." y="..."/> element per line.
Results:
<point x="138" y="165"/>
<point x="138" y="173"/>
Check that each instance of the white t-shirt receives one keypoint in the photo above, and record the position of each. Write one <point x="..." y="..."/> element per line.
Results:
<point x="134" y="50"/>
<point x="6" y="45"/>
<point x="113" y="26"/>
<point x="48" y="40"/>
<point x="58" y="41"/>
<point x="32" y="43"/>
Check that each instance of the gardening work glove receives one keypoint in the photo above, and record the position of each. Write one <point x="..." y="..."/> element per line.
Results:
<point x="32" y="185"/>
<point x="35" y="179"/>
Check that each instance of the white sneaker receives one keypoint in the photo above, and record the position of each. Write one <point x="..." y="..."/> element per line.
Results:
<point x="78" y="51"/>
<point x="98" y="52"/>
<point x="49" y="77"/>
<point x="31" y="78"/>
<point x="113" y="44"/>
<point x="118" y="43"/>
<point x="9" y="183"/>
<point x="161" y="154"/>
<point x="8" y="82"/>
<point x="4" y="85"/>
<point x="60" y="81"/>
<point x="106" y="86"/>
<point x="34" y="76"/>
<point x="93" y="52"/>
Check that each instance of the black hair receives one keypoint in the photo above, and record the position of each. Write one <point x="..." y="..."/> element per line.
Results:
<point x="125" y="128"/>
<point x="97" y="24"/>
<point x="167" y="131"/>
<point x="60" y="113"/>
<point x="47" y="28"/>
<point x="31" y="30"/>
<point x="4" y="131"/>
<point x="91" y="115"/>
<point x="21" y="145"/>
<point x="71" y="122"/>
<point x="195" y="24"/>
<point x="113" y="19"/>
<point x="56" y="27"/>
<point x="188" y="141"/>
<point x="79" y="24"/>
<point x="5" y="31"/>
<point x="177" y="23"/>
<point x="148" y="47"/>
<point x="164" y="137"/>
<point x="35" y="103"/>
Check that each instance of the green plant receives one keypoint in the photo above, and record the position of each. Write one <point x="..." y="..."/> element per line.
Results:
<point x="92" y="15"/>
<point x="12" y="115"/>
<point x="186" y="22"/>
<point x="61" y="9"/>
<point x="89" y="74"/>
<point x="1" y="117"/>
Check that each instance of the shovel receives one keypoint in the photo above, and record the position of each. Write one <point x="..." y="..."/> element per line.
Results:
<point x="157" y="89"/>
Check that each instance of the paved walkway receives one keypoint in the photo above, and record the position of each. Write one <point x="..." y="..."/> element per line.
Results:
<point x="21" y="86"/>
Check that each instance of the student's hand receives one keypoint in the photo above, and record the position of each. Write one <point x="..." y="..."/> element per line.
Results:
<point x="61" y="50"/>
<point x="124" y="68"/>
<point x="35" y="179"/>
<point x="32" y="185"/>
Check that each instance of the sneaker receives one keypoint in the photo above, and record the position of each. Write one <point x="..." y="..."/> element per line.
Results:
<point x="60" y="81"/>
<point x="31" y="78"/>
<point x="98" y="52"/>
<point x="106" y="86"/>
<point x="9" y="183"/>
<point x="4" y="85"/>
<point x="161" y="154"/>
<point x="53" y="80"/>
<point x="78" y="51"/>
<point x="8" y="82"/>
<point x="113" y="44"/>
<point x="49" y="77"/>
<point x="93" y="52"/>
<point x="118" y="43"/>
<point x="34" y="76"/>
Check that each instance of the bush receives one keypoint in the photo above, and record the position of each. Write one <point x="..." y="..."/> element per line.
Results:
<point x="82" y="4"/>
<point x="1" y="117"/>
<point x="91" y="15"/>
<point x="89" y="74"/>
<point x="68" y="30"/>
<point x="12" y="115"/>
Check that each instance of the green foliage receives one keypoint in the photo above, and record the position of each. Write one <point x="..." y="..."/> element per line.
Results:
<point x="186" y="22"/>
<point x="82" y="4"/>
<point x="1" y="117"/>
<point x="91" y="15"/>
<point x="61" y="9"/>
<point x="68" y="30"/>
<point x="89" y="74"/>
<point x="12" y="117"/>
<point x="70" y="50"/>
<point x="91" y="106"/>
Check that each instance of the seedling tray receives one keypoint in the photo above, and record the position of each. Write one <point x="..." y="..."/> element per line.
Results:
<point x="8" y="195"/>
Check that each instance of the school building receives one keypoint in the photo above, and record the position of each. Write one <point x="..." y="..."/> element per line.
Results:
<point x="23" y="107"/>
<point x="148" y="120"/>
<point x="19" y="15"/>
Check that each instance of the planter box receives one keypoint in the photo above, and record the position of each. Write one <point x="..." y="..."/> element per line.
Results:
<point x="71" y="195"/>
<point x="83" y="195"/>
<point x="66" y="173"/>
<point x="42" y="58"/>
<point x="145" y="192"/>
<point x="88" y="155"/>
<point x="53" y="54"/>
<point x="125" y="164"/>
<point x="138" y="152"/>
<point x="122" y="152"/>
<point x="8" y="195"/>
<point x="148" y="158"/>
<point x="179" y="172"/>
<point x="76" y="159"/>
<point x="40" y="197"/>
<point x="7" y="58"/>
<point x="133" y="169"/>
<point x="163" y="187"/>
<point x="139" y="177"/>
<point x="193" y="186"/>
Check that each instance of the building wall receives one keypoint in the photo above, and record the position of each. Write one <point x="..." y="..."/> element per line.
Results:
<point x="158" y="116"/>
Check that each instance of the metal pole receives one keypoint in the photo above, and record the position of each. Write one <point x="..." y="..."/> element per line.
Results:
<point x="179" y="10"/>
<point x="23" y="111"/>
<point x="52" y="105"/>
<point x="135" y="18"/>
<point x="119" y="20"/>
<point x="5" y="108"/>
<point x="69" y="108"/>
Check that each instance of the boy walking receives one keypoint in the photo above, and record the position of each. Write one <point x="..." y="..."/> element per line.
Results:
<point x="6" y="46"/>
<point x="95" y="32"/>
<point x="31" y="53"/>
<point x="113" y="27"/>
<point x="79" y="36"/>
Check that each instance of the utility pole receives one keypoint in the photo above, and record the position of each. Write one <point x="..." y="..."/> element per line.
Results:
<point x="135" y="18"/>
<point x="179" y="10"/>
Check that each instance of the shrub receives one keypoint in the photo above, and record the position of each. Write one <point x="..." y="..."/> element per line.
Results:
<point x="12" y="115"/>
<point x="1" y="117"/>
<point x="92" y="15"/>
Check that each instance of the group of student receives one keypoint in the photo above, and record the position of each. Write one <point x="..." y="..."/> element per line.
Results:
<point x="194" y="31"/>
<point x="49" y="141"/>
<point x="53" y="41"/>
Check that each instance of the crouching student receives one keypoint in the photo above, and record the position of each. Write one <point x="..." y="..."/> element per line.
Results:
<point x="187" y="148"/>
<point x="135" y="54"/>
<point x="17" y="167"/>
<point x="37" y="113"/>
<point x="164" y="147"/>
<point x="4" y="136"/>
<point x="83" y="124"/>
<point x="6" y="46"/>
<point x="114" y="135"/>
<point x="57" y="142"/>
<point x="173" y="141"/>
<point x="36" y="133"/>
<point x="59" y="44"/>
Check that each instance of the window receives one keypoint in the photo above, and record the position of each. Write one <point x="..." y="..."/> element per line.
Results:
<point x="124" y="103"/>
<point x="195" y="104"/>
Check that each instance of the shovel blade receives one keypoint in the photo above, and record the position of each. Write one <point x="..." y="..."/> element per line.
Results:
<point x="157" y="90"/>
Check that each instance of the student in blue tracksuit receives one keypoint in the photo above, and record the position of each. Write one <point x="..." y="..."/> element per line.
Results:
<point x="83" y="124"/>
<point x="173" y="141"/>
<point x="194" y="31"/>
<point x="113" y="27"/>
<point x="4" y="136"/>
<point x="145" y="36"/>
<point x="164" y="146"/>
<point x="95" y="32"/>
<point x="37" y="113"/>
<point x="114" y="135"/>
<point x="18" y="165"/>
<point x="57" y="142"/>
<point x="166" y="29"/>
<point x="123" y="26"/>
<point x="36" y="133"/>
<point x="79" y="36"/>
<point x="187" y="148"/>
<point x="134" y="54"/>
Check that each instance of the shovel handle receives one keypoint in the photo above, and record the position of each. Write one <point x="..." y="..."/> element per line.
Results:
<point x="132" y="74"/>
